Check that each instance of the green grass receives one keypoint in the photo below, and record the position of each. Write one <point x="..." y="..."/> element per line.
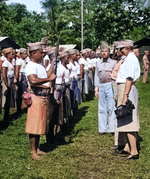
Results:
<point x="81" y="154"/>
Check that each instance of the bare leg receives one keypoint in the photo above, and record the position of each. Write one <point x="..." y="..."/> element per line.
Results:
<point x="33" y="144"/>
<point x="127" y="147"/>
<point x="39" y="152"/>
<point x="145" y="76"/>
<point x="115" y="147"/>
<point x="116" y="137"/>
<point x="132" y="141"/>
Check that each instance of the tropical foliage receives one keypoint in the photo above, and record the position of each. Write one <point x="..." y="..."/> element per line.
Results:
<point x="20" y="24"/>
<point x="106" y="20"/>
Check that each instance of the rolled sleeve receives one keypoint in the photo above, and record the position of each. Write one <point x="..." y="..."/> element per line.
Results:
<point x="30" y="71"/>
<point x="131" y="69"/>
<point x="18" y="62"/>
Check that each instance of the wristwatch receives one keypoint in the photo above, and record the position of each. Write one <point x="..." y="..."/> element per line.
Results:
<point x="126" y="94"/>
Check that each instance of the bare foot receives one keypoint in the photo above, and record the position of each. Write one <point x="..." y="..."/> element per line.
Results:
<point x="35" y="156"/>
<point x="39" y="152"/>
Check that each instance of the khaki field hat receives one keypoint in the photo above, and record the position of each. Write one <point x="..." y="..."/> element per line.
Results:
<point x="34" y="46"/>
<point x="7" y="50"/>
<point x="116" y="43"/>
<point x="63" y="54"/>
<point x="104" y="45"/>
<point x="125" y="43"/>
<point x="49" y="51"/>
<point x="89" y="50"/>
<point x="72" y="51"/>
<point x="44" y="41"/>
<point x="84" y="51"/>
<point x="23" y="50"/>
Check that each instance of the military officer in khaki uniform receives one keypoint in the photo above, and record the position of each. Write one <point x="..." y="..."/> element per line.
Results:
<point x="103" y="91"/>
<point x="146" y="60"/>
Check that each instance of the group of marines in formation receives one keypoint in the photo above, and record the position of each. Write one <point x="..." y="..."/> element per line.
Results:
<point x="52" y="86"/>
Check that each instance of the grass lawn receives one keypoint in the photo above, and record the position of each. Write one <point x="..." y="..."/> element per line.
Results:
<point x="80" y="154"/>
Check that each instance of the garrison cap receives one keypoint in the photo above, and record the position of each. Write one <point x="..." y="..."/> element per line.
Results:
<point x="7" y="50"/>
<point x="23" y="50"/>
<point x="125" y="43"/>
<point x="72" y="51"/>
<point x="34" y="46"/>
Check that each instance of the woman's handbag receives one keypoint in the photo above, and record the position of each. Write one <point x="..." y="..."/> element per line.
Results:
<point x="124" y="110"/>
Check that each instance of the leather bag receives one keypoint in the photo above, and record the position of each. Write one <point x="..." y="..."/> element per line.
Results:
<point x="124" y="110"/>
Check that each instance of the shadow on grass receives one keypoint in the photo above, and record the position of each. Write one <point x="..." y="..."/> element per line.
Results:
<point x="66" y="135"/>
<point x="4" y="125"/>
<point x="12" y="117"/>
<point x="139" y="139"/>
<point x="88" y="97"/>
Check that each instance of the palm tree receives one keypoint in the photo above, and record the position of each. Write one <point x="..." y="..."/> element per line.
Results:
<point x="48" y="6"/>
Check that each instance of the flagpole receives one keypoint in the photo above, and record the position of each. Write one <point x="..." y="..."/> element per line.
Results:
<point x="82" y="25"/>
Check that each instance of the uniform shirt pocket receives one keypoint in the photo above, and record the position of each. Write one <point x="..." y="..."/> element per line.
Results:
<point x="108" y="73"/>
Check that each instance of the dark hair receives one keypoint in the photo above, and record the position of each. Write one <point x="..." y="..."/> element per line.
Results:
<point x="131" y="48"/>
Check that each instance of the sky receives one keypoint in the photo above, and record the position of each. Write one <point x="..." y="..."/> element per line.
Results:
<point x="32" y="5"/>
<point x="147" y="3"/>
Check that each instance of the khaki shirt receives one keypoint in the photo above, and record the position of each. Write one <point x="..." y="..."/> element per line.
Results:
<point x="145" y="62"/>
<point x="103" y="71"/>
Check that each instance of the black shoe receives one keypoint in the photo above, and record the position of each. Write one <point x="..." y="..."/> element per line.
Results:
<point x="114" y="152"/>
<point x="19" y="115"/>
<point x="114" y="147"/>
<point x="134" y="157"/>
<point x="123" y="152"/>
<point x="4" y="124"/>
<point x="99" y="133"/>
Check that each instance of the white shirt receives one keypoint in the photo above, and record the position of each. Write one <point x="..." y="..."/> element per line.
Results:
<point x="93" y="62"/>
<point x="35" y="68"/>
<point x="27" y="60"/>
<point x="73" y="68"/>
<point x="79" y="61"/>
<point x="85" y="63"/>
<point x="90" y="62"/>
<point x="46" y="58"/>
<point x="22" y="64"/>
<point x="3" y="58"/>
<point x="9" y="66"/>
<point x="129" y="68"/>
<point x="62" y="72"/>
<point x="78" y="68"/>
<point x="14" y="62"/>
<point x="48" y="67"/>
